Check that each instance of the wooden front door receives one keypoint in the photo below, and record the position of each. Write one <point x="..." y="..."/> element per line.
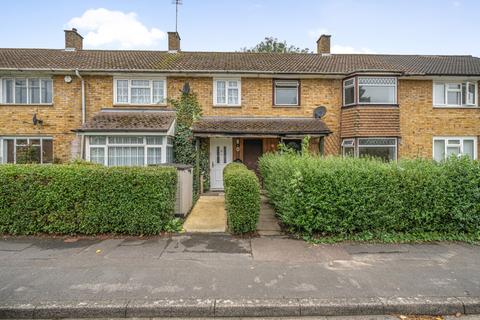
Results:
<point x="252" y="150"/>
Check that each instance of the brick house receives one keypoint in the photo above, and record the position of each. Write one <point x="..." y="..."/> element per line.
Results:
<point x="111" y="106"/>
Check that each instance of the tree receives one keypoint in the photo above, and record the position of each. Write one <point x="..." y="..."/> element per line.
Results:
<point x="271" y="44"/>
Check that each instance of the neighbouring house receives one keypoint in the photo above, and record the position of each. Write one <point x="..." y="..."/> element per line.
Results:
<point x="111" y="107"/>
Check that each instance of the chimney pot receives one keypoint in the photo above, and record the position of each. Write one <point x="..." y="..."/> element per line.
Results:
<point x="173" y="41"/>
<point x="73" y="40"/>
<point x="323" y="44"/>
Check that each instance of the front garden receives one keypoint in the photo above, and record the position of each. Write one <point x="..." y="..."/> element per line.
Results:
<point x="333" y="199"/>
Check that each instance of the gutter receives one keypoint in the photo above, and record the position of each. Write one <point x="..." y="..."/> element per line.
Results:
<point x="84" y="112"/>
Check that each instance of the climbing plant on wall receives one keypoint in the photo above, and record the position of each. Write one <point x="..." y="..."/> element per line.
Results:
<point x="187" y="149"/>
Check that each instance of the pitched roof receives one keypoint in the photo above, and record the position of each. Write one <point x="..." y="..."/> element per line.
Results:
<point x="162" y="61"/>
<point x="113" y="120"/>
<point x="259" y="126"/>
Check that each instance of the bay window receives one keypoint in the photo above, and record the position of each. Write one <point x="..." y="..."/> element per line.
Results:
<point x="349" y="92"/>
<point x="379" y="90"/>
<point x="226" y="92"/>
<point x="26" y="91"/>
<point x="22" y="150"/>
<point x="130" y="150"/>
<point x="140" y="91"/>
<point x="445" y="147"/>
<point x="376" y="147"/>
<point x="286" y="93"/>
<point x="455" y="94"/>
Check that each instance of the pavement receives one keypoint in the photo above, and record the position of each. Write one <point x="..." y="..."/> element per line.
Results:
<point x="267" y="223"/>
<point x="208" y="215"/>
<point x="205" y="275"/>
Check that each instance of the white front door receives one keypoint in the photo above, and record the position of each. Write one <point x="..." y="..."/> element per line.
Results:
<point x="220" y="156"/>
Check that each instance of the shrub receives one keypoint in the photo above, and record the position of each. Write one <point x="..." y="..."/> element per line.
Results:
<point x="242" y="198"/>
<point x="351" y="197"/>
<point x="80" y="199"/>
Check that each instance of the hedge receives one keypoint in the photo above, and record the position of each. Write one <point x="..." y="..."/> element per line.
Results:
<point x="350" y="197"/>
<point x="242" y="198"/>
<point x="86" y="199"/>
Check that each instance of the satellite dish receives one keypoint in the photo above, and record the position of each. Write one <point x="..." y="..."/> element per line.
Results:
<point x="319" y="112"/>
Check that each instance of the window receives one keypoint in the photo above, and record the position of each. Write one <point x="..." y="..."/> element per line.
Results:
<point x="348" y="147"/>
<point x="293" y="144"/>
<point x="26" y="91"/>
<point x="349" y="92"/>
<point x="383" y="148"/>
<point x="140" y="91"/>
<point x="444" y="147"/>
<point x="377" y="90"/>
<point x="130" y="150"/>
<point x="286" y="93"/>
<point x="226" y="92"/>
<point x="455" y="94"/>
<point x="23" y="150"/>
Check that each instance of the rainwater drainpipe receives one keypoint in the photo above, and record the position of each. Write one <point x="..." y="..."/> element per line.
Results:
<point x="82" y="141"/>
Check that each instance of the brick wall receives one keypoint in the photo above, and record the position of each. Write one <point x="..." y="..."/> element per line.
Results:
<point x="370" y="121"/>
<point x="420" y="122"/>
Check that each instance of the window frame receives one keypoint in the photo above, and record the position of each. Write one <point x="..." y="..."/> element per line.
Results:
<point x="356" y="145"/>
<point x="144" y="145"/>
<point x="226" y="104"/>
<point x="395" y="86"/>
<point x="129" y="90"/>
<point x="354" y="84"/>
<point x="445" y="84"/>
<point x="28" y="138"/>
<point x="275" y="92"/>
<point x="27" y="78"/>
<point x="461" y="138"/>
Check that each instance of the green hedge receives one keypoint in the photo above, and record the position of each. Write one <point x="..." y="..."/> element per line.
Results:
<point x="81" y="199"/>
<point x="350" y="197"/>
<point x="242" y="198"/>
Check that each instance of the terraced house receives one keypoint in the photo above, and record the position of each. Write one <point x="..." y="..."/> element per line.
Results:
<point x="111" y="107"/>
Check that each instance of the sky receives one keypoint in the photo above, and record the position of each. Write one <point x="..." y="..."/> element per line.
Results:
<point x="356" y="26"/>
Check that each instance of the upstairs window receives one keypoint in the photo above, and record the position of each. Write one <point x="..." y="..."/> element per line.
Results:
<point x="286" y="93"/>
<point x="226" y="92"/>
<point x="349" y="92"/>
<point x="455" y="94"/>
<point x="140" y="91"/>
<point x="379" y="90"/>
<point x="26" y="91"/>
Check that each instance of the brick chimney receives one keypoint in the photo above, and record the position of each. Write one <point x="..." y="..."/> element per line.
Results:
<point x="323" y="44"/>
<point x="73" y="40"/>
<point x="173" y="41"/>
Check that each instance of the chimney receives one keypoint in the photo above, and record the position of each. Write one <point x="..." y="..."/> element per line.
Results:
<point x="323" y="44"/>
<point x="173" y="41"/>
<point x="73" y="40"/>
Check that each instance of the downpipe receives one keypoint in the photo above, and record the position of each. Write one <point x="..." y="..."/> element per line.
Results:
<point x="84" y="112"/>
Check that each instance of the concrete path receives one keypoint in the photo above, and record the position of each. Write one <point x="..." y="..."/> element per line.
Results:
<point x="268" y="222"/>
<point x="208" y="215"/>
<point x="221" y="275"/>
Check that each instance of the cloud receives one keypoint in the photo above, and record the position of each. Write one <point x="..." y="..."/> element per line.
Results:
<point x="347" y="49"/>
<point x="117" y="29"/>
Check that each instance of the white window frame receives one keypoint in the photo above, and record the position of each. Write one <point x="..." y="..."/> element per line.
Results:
<point x="445" y="88"/>
<point x="144" y="144"/>
<point x="275" y="93"/>
<point x="150" y="80"/>
<point x="350" y="86"/>
<point x="28" y="138"/>
<point x="356" y="145"/>
<point x="226" y="104"/>
<point x="461" y="145"/>
<point x="27" y="78"/>
<point x="348" y="143"/>
<point x="357" y="82"/>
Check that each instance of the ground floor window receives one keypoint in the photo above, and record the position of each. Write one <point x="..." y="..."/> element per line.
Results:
<point x="130" y="150"/>
<point x="23" y="150"/>
<point x="444" y="147"/>
<point x="377" y="147"/>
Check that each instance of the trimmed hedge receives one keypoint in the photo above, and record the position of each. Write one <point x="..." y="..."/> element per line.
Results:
<point x="81" y="199"/>
<point x="242" y="198"/>
<point x="349" y="197"/>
